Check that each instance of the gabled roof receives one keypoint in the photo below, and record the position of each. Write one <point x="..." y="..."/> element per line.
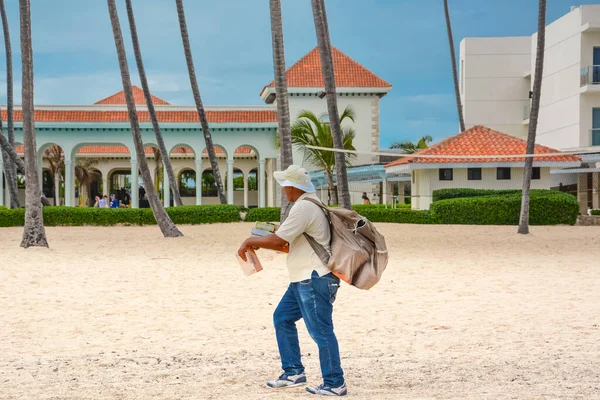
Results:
<point x="481" y="141"/>
<point x="138" y="97"/>
<point x="348" y="72"/>
<point x="115" y="150"/>
<point x="213" y="116"/>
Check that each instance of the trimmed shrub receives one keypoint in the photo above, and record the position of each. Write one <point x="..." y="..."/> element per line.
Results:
<point x="546" y="208"/>
<point x="76" y="216"/>
<point x="595" y="212"/>
<point x="268" y="214"/>
<point x="445" y="194"/>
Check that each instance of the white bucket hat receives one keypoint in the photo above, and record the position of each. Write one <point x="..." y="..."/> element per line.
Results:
<point x="295" y="176"/>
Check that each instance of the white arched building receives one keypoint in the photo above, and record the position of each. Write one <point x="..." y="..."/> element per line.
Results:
<point x="244" y="137"/>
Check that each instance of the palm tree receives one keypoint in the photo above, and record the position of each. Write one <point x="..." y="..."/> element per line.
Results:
<point x="309" y="130"/>
<point x="159" y="138"/>
<point x="210" y="148"/>
<point x="322" y="28"/>
<point x="86" y="173"/>
<point x="11" y="175"/>
<point x="34" y="233"/>
<point x="533" y="118"/>
<point x="283" y="108"/>
<point x="157" y="169"/>
<point x="459" y="107"/>
<point x="163" y="220"/>
<point x="56" y="159"/>
<point x="409" y="147"/>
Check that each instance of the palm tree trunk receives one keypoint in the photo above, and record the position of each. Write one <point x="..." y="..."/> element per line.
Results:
<point x="533" y="118"/>
<point x="9" y="166"/>
<point x="283" y="108"/>
<point x="163" y="220"/>
<point x="322" y="28"/>
<point x="210" y="148"/>
<point x="459" y="107"/>
<point x="34" y="233"/>
<point x="157" y="131"/>
<point x="332" y="198"/>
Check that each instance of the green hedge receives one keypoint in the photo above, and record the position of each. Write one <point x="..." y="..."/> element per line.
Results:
<point x="546" y="208"/>
<point x="76" y="216"/>
<point x="445" y="194"/>
<point x="268" y="214"/>
<point x="595" y="212"/>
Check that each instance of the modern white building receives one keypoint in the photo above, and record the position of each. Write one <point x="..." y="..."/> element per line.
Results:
<point x="496" y="77"/>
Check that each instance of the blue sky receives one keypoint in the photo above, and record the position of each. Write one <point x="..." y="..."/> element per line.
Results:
<point x="403" y="41"/>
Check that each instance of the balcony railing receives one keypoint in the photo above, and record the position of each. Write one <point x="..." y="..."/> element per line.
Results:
<point x="595" y="133"/>
<point x="526" y="111"/>
<point x="590" y="75"/>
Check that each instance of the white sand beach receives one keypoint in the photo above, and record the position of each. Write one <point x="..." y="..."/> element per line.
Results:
<point x="463" y="312"/>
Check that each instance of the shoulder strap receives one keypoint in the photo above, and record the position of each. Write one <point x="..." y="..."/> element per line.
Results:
<point x="318" y="248"/>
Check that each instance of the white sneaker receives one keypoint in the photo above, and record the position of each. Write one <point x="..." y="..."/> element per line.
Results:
<point x="286" y="381"/>
<point x="323" y="390"/>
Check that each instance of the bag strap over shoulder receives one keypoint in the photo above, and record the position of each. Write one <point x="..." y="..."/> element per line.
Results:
<point x="318" y="248"/>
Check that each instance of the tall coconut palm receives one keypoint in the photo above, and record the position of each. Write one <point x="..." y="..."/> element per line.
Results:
<point x="283" y="108"/>
<point x="322" y="29"/>
<point x="56" y="159"/>
<point x="210" y="148"/>
<point x="533" y="117"/>
<point x="163" y="220"/>
<point x="159" y="138"/>
<point x="459" y="107"/>
<point x="11" y="176"/>
<point x="34" y="233"/>
<point x="409" y="147"/>
<point x="309" y="130"/>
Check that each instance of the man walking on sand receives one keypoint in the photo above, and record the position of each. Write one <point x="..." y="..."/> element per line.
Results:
<point x="312" y="290"/>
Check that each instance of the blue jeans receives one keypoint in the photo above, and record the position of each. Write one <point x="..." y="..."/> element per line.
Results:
<point x="312" y="300"/>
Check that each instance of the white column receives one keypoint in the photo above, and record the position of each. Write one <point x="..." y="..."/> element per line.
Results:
<point x="166" y="190"/>
<point x="245" y="190"/>
<point x="105" y="185"/>
<point x="582" y="195"/>
<point x="198" y="182"/>
<point x="229" y="181"/>
<point x="1" y="184"/>
<point x="270" y="193"/>
<point x="385" y="190"/>
<point x="596" y="190"/>
<point x="261" y="183"/>
<point x="277" y="201"/>
<point x="135" y="188"/>
<point x="69" y="183"/>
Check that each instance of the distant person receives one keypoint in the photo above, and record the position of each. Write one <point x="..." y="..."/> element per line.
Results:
<point x="114" y="203"/>
<point x="142" y="193"/>
<point x="366" y="198"/>
<point x="97" y="202"/>
<point x="103" y="202"/>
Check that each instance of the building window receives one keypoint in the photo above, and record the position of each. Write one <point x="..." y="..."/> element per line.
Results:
<point x="474" y="174"/>
<point x="596" y="126"/>
<point x="503" y="173"/>
<point x="536" y="173"/>
<point x="445" y="174"/>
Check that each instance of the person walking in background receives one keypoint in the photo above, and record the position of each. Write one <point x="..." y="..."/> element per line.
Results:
<point x="114" y="203"/>
<point x="366" y="198"/>
<point x="97" y="202"/>
<point x="103" y="203"/>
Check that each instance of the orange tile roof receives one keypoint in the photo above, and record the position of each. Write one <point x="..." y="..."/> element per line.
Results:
<point x="224" y="116"/>
<point x="481" y="141"/>
<point x="348" y="72"/>
<point x="147" y="150"/>
<point x="138" y="97"/>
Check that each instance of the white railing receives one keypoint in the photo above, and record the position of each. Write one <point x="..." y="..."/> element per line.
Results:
<point x="526" y="111"/>
<point x="595" y="134"/>
<point x="590" y="75"/>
